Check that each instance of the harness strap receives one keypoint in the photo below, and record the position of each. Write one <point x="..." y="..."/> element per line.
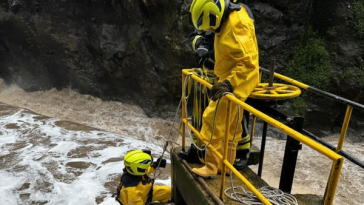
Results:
<point x="234" y="7"/>
<point x="150" y="194"/>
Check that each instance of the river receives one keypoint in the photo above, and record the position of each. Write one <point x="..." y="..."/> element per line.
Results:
<point x="62" y="147"/>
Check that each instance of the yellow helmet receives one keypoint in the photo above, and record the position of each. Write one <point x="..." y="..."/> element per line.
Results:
<point x="207" y="14"/>
<point x="137" y="162"/>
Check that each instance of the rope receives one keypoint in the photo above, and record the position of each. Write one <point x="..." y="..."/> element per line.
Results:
<point x="275" y="196"/>
<point x="236" y="129"/>
<point x="185" y="98"/>
<point x="167" y="142"/>
<point x="213" y="124"/>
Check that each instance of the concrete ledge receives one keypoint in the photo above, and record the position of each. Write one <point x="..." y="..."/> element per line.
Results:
<point x="187" y="190"/>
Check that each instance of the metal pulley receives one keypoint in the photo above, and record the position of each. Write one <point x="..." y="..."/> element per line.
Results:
<point x="274" y="91"/>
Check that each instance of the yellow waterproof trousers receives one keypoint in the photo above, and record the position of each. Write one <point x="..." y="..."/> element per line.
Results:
<point x="219" y="123"/>
<point x="236" y="60"/>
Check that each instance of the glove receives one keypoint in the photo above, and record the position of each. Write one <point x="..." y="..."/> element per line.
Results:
<point x="202" y="50"/>
<point x="159" y="163"/>
<point x="220" y="88"/>
<point x="199" y="45"/>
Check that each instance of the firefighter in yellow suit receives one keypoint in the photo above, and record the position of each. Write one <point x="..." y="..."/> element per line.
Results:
<point x="236" y="65"/>
<point x="136" y="188"/>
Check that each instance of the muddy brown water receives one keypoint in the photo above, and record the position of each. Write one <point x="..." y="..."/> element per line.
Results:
<point x="101" y="124"/>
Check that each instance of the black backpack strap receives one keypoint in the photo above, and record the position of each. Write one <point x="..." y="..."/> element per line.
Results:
<point x="236" y="7"/>
<point x="250" y="13"/>
<point x="150" y="194"/>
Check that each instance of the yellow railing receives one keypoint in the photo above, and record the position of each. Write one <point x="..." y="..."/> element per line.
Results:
<point x="344" y="127"/>
<point x="336" y="158"/>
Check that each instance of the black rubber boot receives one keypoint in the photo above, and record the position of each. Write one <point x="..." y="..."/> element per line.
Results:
<point x="192" y="155"/>
<point x="241" y="159"/>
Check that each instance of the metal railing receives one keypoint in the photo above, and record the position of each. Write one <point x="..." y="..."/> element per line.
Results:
<point x="337" y="160"/>
<point x="350" y="106"/>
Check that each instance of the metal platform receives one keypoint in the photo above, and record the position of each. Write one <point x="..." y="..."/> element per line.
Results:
<point x="191" y="190"/>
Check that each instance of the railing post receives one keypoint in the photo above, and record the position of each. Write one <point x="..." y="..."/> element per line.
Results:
<point x="183" y="111"/>
<point x="290" y="156"/>
<point x="265" y="124"/>
<point x="344" y="128"/>
<point x="271" y="72"/>
<point x="333" y="181"/>
<point x="262" y="149"/>
<point x="225" y="149"/>
<point x="252" y="129"/>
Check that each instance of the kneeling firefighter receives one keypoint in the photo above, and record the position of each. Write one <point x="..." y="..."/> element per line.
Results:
<point x="136" y="187"/>
<point x="236" y="66"/>
<point x="202" y="43"/>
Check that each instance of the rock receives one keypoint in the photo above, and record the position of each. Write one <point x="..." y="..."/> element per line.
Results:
<point x="15" y="5"/>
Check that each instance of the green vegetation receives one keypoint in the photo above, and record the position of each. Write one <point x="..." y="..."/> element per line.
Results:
<point x="311" y="65"/>
<point x="358" y="17"/>
<point x="331" y="33"/>
<point x="299" y="105"/>
<point x="353" y="77"/>
<point x="311" y="62"/>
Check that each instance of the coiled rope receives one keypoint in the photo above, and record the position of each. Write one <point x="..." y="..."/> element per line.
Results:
<point x="273" y="195"/>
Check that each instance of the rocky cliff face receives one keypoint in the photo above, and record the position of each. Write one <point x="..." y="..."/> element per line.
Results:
<point x="133" y="50"/>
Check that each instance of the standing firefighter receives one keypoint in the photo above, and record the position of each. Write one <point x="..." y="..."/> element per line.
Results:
<point x="236" y="66"/>
<point x="202" y="43"/>
<point x="136" y="187"/>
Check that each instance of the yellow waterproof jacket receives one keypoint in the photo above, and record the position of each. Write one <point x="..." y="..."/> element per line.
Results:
<point x="138" y="195"/>
<point x="236" y="53"/>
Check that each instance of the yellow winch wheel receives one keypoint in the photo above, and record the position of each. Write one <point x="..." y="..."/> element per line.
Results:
<point x="276" y="92"/>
